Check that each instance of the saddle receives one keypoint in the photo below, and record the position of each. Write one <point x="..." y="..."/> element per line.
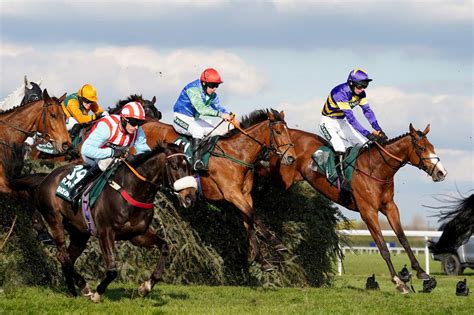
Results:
<point x="324" y="163"/>
<point x="207" y="147"/>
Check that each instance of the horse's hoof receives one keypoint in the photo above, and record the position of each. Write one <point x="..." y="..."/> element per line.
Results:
<point x="267" y="268"/>
<point x="423" y="276"/>
<point x="86" y="291"/>
<point x="281" y="248"/>
<point x="144" y="288"/>
<point x="95" y="297"/>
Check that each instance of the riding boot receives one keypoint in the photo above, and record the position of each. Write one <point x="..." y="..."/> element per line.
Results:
<point x="345" y="187"/>
<point x="198" y="164"/>
<point x="79" y="187"/>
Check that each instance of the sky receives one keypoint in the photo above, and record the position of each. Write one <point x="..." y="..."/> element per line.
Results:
<point x="284" y="54"/>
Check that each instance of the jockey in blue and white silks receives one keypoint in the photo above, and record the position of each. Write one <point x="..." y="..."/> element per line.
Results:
<point x="199" y="99"/>
<point x="109" y="138"/>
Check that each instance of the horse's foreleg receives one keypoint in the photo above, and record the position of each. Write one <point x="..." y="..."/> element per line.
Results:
<point x="106" y="241"/>
<point x="371" y="219"/>
<point x="57" y="229"/>
<point x="78" y="242"/>
<point x="393" y="216"/>
<point x="269" y="237"/>
<point x="150" y="240"/>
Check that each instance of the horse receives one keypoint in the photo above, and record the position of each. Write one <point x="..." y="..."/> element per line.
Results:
<point x="151" y="112"/>
<point x="458" y="225"/>
<point x="29" y="91"/>
<point x="115" y="218"/>
<point x="372" y="182"/>
<point x="44" y="117"/>
<point x="232" y="162"/>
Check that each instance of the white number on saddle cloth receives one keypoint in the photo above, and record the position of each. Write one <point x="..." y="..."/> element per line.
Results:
<point x="74" y="176"/>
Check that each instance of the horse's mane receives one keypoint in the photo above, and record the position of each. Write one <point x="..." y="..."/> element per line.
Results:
<point x="143" y="157"/>
<point x="13" y="100"/>
<point x="255" y="117"/>
<point x="121" y="103"/>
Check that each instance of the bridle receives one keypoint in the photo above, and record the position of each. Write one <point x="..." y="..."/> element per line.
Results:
<point x="41" y="118"/>
<point x="166" y="185"/>
<point x="418" y="150"/>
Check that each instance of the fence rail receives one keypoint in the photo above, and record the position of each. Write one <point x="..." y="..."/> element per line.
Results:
<point x="425" y="234"/>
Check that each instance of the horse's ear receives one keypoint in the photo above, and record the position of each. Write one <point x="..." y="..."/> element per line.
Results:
<point x="270" y="115"/>
<point x="427" y="129"/>
<point x="153" y="100"/>
<point x="61" y="99"/>
<point x="46" y="96"/>
<point x="412" y="129"/>
<point x="282" y="115"/>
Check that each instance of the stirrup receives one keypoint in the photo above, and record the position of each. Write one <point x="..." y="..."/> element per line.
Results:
<point x="199" y="166"/>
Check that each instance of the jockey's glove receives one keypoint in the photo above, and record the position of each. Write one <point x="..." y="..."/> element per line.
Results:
<point x="372" y="137"/>
<point x="119" y="152"/>
<point x="383" y="137"/>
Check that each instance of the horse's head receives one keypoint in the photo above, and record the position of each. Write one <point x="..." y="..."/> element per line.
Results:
<point x="179" y="175"/>
<point x="52" y="122"/>
<point x="150" y="110"/>
<point x="280" y="141"/>
<point x="423" y="155"/>
<point x="32" y="94"/>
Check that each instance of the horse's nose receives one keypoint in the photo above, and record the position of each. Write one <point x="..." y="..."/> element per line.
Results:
<point x="441" y="175"/>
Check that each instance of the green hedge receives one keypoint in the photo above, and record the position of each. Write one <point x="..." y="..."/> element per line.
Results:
<point x="208" y="244"/>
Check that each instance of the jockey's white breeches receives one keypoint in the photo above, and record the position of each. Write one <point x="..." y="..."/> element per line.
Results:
<point x="195" y="127"/>
<point x="340" y="133"/>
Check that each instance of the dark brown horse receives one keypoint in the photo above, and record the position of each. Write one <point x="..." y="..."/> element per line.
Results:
<point x="43" y="116"/>
<point x="372" y="182"/>
<point x="164" y="168"/>
<point x="232" y="163"/>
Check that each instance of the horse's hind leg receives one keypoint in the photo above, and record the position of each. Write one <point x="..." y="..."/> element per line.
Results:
<point x="78" y="242"/>
<point x="106" y="241"/>
<point x="150" y="240"/>
<point x="393" y="216"/>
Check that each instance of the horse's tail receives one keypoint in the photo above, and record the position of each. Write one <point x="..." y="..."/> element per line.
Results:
<point x="458" y="229"/>
<point x="13" y="164"/>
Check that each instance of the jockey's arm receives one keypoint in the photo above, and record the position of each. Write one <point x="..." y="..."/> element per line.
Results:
<point x="95" y="107"/>
<point x="140" y="144"/>
<point x="351" y="119"/>
<point x="92" y="147"/>
<point x="74" y="109"/>
<point x="369" y="114"/>
<point x="194" y="95"/>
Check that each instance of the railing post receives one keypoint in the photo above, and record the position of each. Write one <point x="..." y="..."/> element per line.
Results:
<point x="427" y="256"/>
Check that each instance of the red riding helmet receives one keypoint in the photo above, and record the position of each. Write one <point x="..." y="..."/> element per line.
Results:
<point x="133" y="110"/>
<point x="210" y="75"/>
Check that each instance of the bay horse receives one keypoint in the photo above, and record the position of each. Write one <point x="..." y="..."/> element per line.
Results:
<point x="372" y="182"/>
<point x="232" y="162"/>
<point x="44" y="116"/>
<point x="164" y="168"/>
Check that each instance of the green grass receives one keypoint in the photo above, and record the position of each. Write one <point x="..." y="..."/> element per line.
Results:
<point x="347" y="295"/>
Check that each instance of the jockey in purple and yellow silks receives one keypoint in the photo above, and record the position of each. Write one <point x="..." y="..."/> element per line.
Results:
<point x="198" y="99"/>
<point x="109" y="138"/>
<point x="338" y="123"/>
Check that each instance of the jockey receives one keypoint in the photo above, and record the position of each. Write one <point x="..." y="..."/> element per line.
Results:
<point x="77" y="106"/>
<point x="338" y="123"/>
<point x="110" y="138"/>
<point x="198" y="99"/>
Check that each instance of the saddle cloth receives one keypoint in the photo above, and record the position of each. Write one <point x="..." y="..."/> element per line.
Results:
<point x="207" y="147"/>
<point x="323" y="162"/>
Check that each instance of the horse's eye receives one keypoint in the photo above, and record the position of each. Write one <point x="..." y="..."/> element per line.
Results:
<point x="174" y="166"/>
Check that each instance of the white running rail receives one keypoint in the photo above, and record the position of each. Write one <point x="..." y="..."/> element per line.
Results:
<point x="425" y="234"/>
